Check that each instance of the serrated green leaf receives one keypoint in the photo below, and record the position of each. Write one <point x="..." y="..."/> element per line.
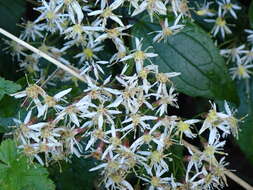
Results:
<point x="8" y="87"/>
<point x="17" y="172"/>
<point x="192" y="53"/>
<point x="8" y="152"/>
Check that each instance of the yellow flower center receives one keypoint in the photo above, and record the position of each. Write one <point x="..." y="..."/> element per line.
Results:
<point x="241" y="71"/>
<point x="202" y="12"/>
<point x="50" y="15"/>
<point x="220" y="21"/>
<point x="156" y="156"/>
<point x="147" y="138"/>
<point x="144" y="73"/>
<point x="155" y="181"/>
<point x="33" y="91"/>
<point x="136" y="119"/>
<point x="28" y="150"/>
<point x="115" y="141"/>
<point x="50" y="101"/>
<point x="182" y="126"/>
<point x="167" y="31"/>
<point x="99" y="134"/>
<point x="209" y="150"/>
<point x="113" y="33"/>
<point x="107" y="13"/>
<point x="161" y="77"/>
<point x="77" y="28"/>
<point x="228" y="6"/>
<point x="88" y="52"/>
<point x="139" y="55"/>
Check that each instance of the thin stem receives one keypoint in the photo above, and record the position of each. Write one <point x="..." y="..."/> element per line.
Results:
<point x="228" y="173"/>
<point x="49" y="77"/>
<point x="42" y="54"/>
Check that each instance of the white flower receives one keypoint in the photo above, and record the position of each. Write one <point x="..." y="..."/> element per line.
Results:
<point x="52" y="101"/>
<point x="74" y="9"/>
<point x="128" y="96"/>
<point x="233" y="54"/>
<point x="23" y="130"/>
<point x="156" y="158"/>
<point x="204" y="10"/>
<point x="168" y="122"/>
<point x="156" y="181"/>
<point x="220" y="25"/>
<point x="33" y="92"/>
<point x="70" y="111"/>
<point x="195" y="161"/>
<point x="165" y="100"/>
<point x="231" y="121"/>
<point x="241" y="71"/>
<point x="139" y="56"/>
<point x="227" y="6"/>
<point x="213" y="122"/>
<point x="184" y="127"/>
<point x="162" y="79"/>
<point x="100" y="112"/>
<point x="78" y="31"/>
<point x="154" y="6"/>
<point x="137" y="121"/>
<point x="89" y="51"/>
<point x="167" y="30"/>
<point x="31" y="31"/>
<point x="209" y="180"/>
<point x="50" y="12"/>
<point x="250" y="35"/>
<point x="248" y="57"/>
<point x="107" y="12"/>
<point x="214" y="146"/>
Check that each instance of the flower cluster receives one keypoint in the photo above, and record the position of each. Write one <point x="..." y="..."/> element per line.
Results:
<point x="121" y="120"/>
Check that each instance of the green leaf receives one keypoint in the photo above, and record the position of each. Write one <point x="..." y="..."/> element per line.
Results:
<point x="8" y="87"/>
<point x="11" y="12"/>
<point x="8" y="152"/>
<point x="17" y="172"/>
<point x="192" y="53"/>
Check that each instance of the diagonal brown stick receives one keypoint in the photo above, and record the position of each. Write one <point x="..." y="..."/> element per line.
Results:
<point x="42" y="54"/>
<point x="228" y="173"/>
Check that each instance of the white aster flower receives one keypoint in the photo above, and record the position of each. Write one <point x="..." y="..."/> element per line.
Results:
<point x="227" y="6"/>
<point x="154" y="6"/>
<point x="167" y="30"/>
<point x="241" y="71"/>
<point x="220" y="25"/>
<point x="139" y="56"/>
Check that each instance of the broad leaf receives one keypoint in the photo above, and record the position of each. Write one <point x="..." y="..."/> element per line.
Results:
<point x="17" y="172"/>
<point x="8" y="152"/>
<point x="192" y="53"/>
<point x="7" y="87"/>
